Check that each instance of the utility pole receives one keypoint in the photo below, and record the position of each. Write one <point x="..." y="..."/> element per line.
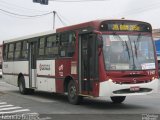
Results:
<point x="54" y="20"/>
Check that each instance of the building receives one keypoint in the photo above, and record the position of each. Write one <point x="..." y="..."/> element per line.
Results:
<point x="156" y="34"/>
<point x="156" y="37"/>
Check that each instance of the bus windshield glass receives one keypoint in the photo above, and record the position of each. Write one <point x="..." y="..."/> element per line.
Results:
<point x="128" y="52"/>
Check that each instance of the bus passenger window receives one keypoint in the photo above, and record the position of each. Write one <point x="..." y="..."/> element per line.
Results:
<point x="41" y="46"/>
<point x="63" y="44"/>
<point x="18" y="50"/>
<point x="10" y="51"/>
<point x="67" y="44"/>
<point x="24" y="50"/>
<point x="52" y="46"/>
<point x="71" y="45"/>
<point x="5" y="51"/>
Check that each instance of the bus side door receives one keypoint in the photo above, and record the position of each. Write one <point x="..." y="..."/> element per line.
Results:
<point x="88" y="63"/>
<point x="32" y="64"/>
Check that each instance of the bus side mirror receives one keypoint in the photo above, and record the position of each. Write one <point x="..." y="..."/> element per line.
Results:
<point x="100" y="41"/>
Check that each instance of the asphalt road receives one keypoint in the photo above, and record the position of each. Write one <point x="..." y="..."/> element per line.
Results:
<point x="49" y="106"/>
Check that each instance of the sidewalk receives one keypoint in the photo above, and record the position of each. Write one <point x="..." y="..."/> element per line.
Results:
<point x="5" y="86"/>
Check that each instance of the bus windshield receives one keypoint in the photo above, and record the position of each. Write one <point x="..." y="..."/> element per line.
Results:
<point x="128" y="52"/>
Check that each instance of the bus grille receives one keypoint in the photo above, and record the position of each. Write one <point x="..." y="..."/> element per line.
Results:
<point x="123" y="91"/>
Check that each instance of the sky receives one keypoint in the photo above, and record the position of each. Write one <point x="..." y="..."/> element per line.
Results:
<point x="13" y="26"/>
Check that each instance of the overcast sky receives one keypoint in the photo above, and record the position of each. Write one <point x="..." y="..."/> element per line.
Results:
<point x="12" y="26"/>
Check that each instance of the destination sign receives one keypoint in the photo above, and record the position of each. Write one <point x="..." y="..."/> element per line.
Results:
<point x="125" y="26"/>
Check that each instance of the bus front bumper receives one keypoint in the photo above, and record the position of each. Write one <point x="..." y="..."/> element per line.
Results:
<point x="108" y="88"/>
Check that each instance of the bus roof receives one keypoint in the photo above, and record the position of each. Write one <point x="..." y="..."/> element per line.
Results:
<point x="30" y="36"/>
<point x="95" y="24"/>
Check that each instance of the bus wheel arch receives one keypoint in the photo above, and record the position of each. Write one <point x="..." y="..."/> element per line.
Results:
<point x="72" y="90"/>
<point x="21" y="84"/>
<point x="66" y="82"/>
<point x="19" y="76"/>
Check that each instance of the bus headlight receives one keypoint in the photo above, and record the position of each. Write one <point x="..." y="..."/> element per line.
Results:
<point x="110" y="80"/>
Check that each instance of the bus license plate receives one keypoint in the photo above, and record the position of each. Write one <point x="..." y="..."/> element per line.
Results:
<point x="135" y="88"/>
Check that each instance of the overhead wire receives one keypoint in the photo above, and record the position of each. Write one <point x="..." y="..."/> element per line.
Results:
<point x="64" y="24"/>
<point x="142" y="9"/>
<point x="130" y="12"/>
<point x="64" y="18"/>
<point x="22" y="16"/>
<point x="8" y="8"/>
<point x="12" y="13"/>
<point x="31" y="16"/>
<point x="19" y="7"/>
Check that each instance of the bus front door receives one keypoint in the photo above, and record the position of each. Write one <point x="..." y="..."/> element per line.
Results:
<point x="32" y="64"/>
<point x="88" y="63"/>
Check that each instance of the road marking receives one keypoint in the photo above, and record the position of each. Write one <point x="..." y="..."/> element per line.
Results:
<point x="10" y="108"/>
<point x="2" y="103"/>
<point x="15" y="111"/>
<point x="6" y="106"/>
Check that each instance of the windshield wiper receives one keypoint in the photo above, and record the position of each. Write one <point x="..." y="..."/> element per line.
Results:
<point x="138" y="39"/>
<point x="136" y="44"/>
<point x="127" y="48"/>
<point x="134" y="65"/>
<point x="135" y="49"/>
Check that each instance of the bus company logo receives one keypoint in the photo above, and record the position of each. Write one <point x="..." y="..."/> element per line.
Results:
<point x="60" y="68"/>
<point x="44" y="67"/>
<point x="134" y="80"/>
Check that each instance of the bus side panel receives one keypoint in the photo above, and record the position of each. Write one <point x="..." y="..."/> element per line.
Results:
<point x="46" y="75"/>
<point x="21" y="67"/>
<point x="8" y="74"/>
<point x="63" y="69"/>
<point x="11" y="71"/>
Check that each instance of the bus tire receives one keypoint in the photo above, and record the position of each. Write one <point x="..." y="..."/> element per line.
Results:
<point x="118" y="99"/>
<point x="73" y="96"/>
<point x="22" y="88"/>
<point x="30" y="91"/>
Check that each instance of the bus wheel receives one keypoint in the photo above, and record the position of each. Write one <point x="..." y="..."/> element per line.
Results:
<point x="118" y="99"/>
<point x="30" y="91"/>
<point x="22" y="88"/>
<point x="73" y="96"/>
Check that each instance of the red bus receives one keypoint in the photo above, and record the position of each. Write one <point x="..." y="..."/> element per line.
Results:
<point x="114" y="58"/>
